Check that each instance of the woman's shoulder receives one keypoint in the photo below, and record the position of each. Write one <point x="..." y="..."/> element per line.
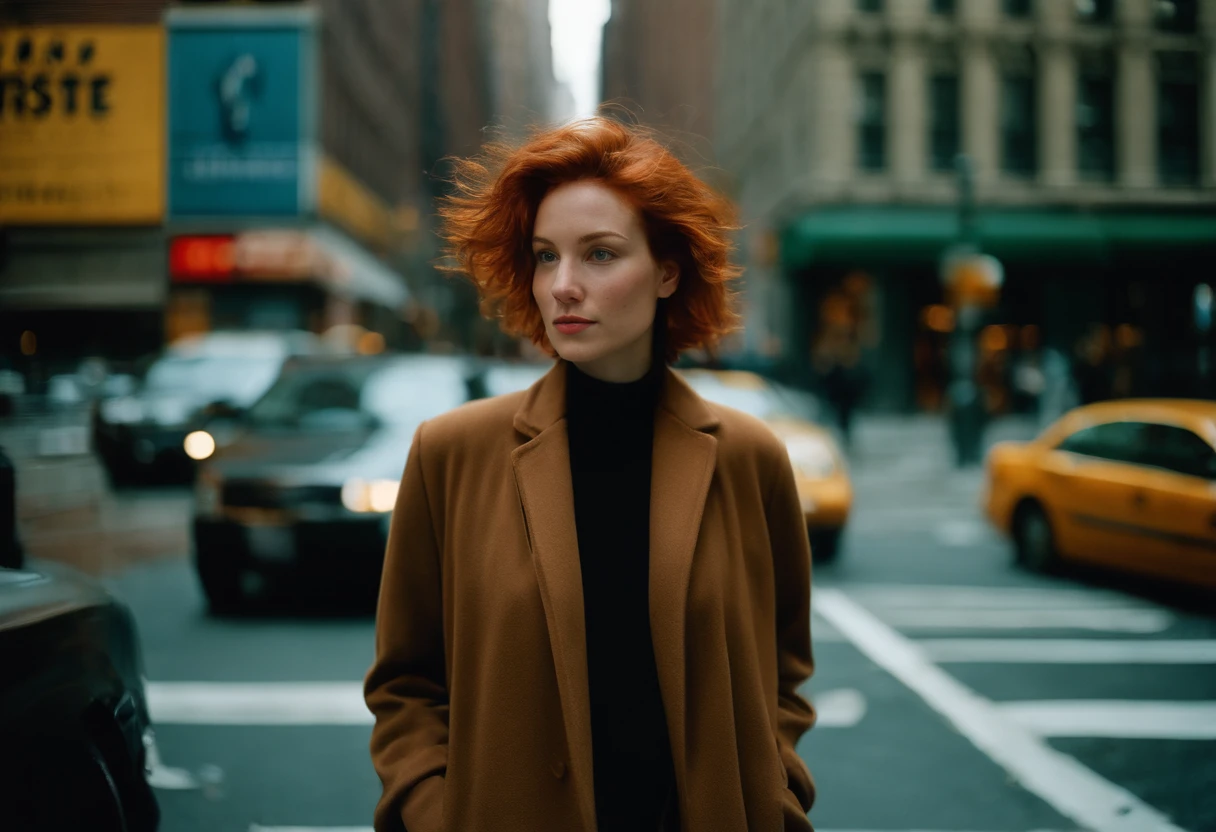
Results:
<point x="473" y="422"/>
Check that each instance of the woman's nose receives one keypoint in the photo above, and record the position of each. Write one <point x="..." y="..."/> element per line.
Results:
<point x="566" y="288"/>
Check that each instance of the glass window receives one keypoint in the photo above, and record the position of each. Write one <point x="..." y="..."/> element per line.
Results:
<point x="1179" y="450"/>
<point x="1018" y="125"/>
<point x="1016" y="8"/>
<point x="1181" y="16"/>
<point x="1177" y="129"/>
<point x="1116" y="441"/>
<point x="944" y="7"/>
<point x="872" y="121"/>
<point x="1096" y="126"/>
<point x="943" y="121"/>
<point x="1095" y="11"/>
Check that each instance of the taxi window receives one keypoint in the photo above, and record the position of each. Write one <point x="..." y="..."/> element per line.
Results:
<point x="1116" y="441"/>
<point x="1179" y="450"/>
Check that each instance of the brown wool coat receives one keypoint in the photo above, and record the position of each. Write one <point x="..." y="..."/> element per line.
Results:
<point x="479" y="685"/>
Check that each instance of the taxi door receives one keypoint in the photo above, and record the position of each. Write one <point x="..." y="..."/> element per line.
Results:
<point x="1094" y="493"/>
<point x="1180" y="488"/>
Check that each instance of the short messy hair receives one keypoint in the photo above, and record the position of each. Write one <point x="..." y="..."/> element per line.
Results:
<point x="487" y="223"/>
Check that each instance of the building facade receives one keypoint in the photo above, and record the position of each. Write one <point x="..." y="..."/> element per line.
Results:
<point x="1090" y="131"/>
<point x="173" y="167"/>
<point x="658" y="63"/>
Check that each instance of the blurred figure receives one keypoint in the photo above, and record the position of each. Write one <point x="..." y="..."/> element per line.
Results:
<point x="836" y="354"/>
<point x="1092" y="372"/>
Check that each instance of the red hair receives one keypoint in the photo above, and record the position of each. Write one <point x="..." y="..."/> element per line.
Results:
<point x="487" y="224"/>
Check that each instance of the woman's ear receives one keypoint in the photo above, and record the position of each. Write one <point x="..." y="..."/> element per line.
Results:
<point x="671" y="278"/>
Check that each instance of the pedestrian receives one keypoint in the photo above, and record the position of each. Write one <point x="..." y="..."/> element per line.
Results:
<point x="594" y="611"/>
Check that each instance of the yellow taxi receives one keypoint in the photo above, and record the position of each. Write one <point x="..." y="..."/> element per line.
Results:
<point x="1129" y="485"/>
<point x="819" y="467"/>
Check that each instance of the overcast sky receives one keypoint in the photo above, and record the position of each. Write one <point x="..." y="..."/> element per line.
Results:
<point x="577" y="26"/>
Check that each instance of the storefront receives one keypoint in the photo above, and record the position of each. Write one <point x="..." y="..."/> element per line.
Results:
<point x="1113" y="293"/>
<point x="81" y="194"/>
<point x="266" y="230"/>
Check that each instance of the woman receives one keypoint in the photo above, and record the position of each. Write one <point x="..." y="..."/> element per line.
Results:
<point x="594" y="612"/>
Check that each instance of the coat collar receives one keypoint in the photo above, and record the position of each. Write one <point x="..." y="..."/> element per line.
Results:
<point x="685" y="454"/>
<point x="544" y="403"/>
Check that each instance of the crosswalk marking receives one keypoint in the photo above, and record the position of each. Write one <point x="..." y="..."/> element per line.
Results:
<point x="1069" y="651"/>
<point x="341" y="703"/>
<point x="1131" y="620"/>
<point x="997" y="597"/>
<point x="1072" y="789"/>
<point x="1121" y="720"/>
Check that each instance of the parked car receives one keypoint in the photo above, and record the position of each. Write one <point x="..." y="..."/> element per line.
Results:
<point x="820" y="472"/>
<point x="819" y="467"/>
<point x="302" y="495"/>
<point x="73" y="712"/>
<point x="139" y="436"/>
<point x="1129" y="485"/>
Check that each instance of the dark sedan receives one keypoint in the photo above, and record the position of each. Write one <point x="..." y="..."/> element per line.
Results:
<point x="73" y="712"/>
<point x="301" y="497"/>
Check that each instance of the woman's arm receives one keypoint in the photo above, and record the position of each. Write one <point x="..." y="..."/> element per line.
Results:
<point x="406" y="688"/>
<point x="792" y="570"/>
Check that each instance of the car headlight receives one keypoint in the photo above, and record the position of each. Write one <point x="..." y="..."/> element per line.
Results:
<point x="364" y="496"/>
<point x="122" y="411"/>
<point x="810" y="456"/>
<point x="206" y="494"/>
<point x="199" y="445"/>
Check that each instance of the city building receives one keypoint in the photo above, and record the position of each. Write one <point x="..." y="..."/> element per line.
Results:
<point x="167" y="168"/>
<point x="1090" y="128"/>
<point x="658" y="64"/>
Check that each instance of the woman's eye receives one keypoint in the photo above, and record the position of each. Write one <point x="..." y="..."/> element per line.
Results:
<point x="546" y="257"/>
<point x="601" y="255"/>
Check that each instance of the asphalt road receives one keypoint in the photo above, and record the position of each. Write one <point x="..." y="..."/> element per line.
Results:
<point x="955" y="692"/>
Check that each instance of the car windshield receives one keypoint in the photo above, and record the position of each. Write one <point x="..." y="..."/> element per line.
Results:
<point x="751" y="395"/>
<point x="213" y="378"/>
<point x="358" y="395"/>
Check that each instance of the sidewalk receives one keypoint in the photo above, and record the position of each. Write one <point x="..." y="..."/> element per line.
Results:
<point x="66" y="510"/>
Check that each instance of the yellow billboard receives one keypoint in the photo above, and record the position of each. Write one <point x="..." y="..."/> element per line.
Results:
<point x="82" y="125"/>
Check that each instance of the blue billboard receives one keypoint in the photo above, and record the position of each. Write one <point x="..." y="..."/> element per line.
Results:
<point x="241" y="123"/>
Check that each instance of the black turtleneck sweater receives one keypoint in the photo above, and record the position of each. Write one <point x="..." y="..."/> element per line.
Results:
<point x="611" y="430"/>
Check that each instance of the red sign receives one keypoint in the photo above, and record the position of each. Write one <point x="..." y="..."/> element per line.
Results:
<point x="202" y="259"/>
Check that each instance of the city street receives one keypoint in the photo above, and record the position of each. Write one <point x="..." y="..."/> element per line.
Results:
<point x="955" y="692"/>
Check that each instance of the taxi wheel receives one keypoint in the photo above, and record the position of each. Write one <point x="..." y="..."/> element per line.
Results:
<point x="1033" y="538"/>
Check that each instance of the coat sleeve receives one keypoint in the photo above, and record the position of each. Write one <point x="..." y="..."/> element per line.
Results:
<point x="795" y="664"/>
<point x="406" y="688"/>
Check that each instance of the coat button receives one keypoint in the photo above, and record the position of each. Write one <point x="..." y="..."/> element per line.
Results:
<point x="559" y="769"/>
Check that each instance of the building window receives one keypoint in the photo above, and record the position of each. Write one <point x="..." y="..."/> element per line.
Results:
<point x="1096" y="127"/>
<point x="1018" y="128"/>
<point x="1178" y="130"/>
<point x="943" y="121"/>
<point x="1095" y="11"/>
<point x="1016" y="8"/>
<point x="1180" y="16"/>
<point x="943" y="7"/>
<point x="870" y="6"/>
<point x="872" y="121"/>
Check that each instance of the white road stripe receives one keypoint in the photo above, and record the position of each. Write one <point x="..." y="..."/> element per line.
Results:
<point x="258" y="703"/>
<point x="341" y="703"/>
<point x="1021" y="598"/>
<point x="256" y="828"/>
<point x="1072" y="789"/>
<point x="1139" y="621"/>
<point x="1121" y="720"/>
<point x="1068" y="651"/>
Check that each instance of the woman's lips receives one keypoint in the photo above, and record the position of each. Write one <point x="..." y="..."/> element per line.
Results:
<point x="571" y="327"/>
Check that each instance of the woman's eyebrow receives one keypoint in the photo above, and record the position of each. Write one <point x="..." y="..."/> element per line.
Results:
<point x="586" y="238"/>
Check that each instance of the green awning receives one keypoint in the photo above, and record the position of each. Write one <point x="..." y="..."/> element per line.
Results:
<point x="893" y="235"/>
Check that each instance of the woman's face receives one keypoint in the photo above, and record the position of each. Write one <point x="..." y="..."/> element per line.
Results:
<point x="596" y="282"/>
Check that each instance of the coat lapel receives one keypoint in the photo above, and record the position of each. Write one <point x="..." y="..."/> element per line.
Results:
<point x="682" y="470"/>
<point x="546" y="494"/>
